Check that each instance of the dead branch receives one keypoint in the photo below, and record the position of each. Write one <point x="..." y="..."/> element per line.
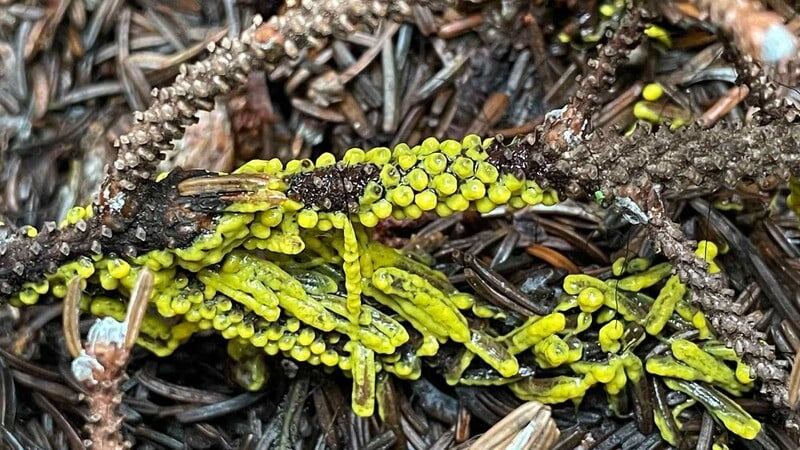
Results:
<point x="125" y="223"/>
<point x="101" y="367"/>
<point x="572" y="122"/>
<point x="635" y="171"/>
<point x="133" y="214"/>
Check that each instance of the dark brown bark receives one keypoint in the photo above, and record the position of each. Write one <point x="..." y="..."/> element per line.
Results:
<point x="125" y="223"/>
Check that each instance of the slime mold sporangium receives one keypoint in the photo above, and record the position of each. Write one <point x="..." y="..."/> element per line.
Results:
<point x="289" y="267"/>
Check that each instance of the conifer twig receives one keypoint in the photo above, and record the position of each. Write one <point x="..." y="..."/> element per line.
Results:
<point x="101" y="366"/>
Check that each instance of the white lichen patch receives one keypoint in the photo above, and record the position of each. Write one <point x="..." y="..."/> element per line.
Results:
<point x="85" y="366"/>
<point x="107" y="331"/>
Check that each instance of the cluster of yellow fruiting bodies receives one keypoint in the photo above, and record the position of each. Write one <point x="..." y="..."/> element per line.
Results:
<point x="290" y="269"/>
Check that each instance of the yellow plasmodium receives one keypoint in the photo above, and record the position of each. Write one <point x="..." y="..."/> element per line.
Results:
<point x="692" y="355"/>
<point x="424" y="302"/>
<point x="552" y="390"/>
<point x="444" y="177"/>
<point x="623" y="265"/>
<point x="574" y="284"/>
<point x="430" y="339"/>
<point x="590" y="299"/>
<point x="735" y="419"/>
<point x="654" y="317"/>
<point x="55" y="283"/>
<point x="448" y="175"/>
<point x="613" y="297"/>
<point x="250" y="370"/>
<point x="661" y="35"/>
<point x="263" y="301"/>
<point x="362" y="362"/>
<point x="277" y="276"/>
<point x="610" y="373"/>
<point x="652" y="92"/>
<point x="404" y="365"/>
<point x="708" y="251"/>
<point x="664" y="305"/>
<point x="668" y="366"/>
<point x="352" y="269"/>
<point x="721" y="351"/>
<point x="553" y="351"/>
<point x="696" y="317"/>
<point x="645" y="279"/>
<point x="289" y="292"/>
<point x="493" y="353"/>
<point x="417" y="299"/>
<point x="610" y="335"/>
<point x="383" y="335"/>
<point x="691" y="368"/>
<point x="383" y="256"/>
<point x="534" y="331"/>
<point x="176" y="298"/>
<point x="230" y="230"/>
<point x="613" y="374"/>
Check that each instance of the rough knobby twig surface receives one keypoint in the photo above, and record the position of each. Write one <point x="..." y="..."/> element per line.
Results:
<point x="128" y="194"/>
<point x="101" y="367"/>
<point x="713" y="294"/>
<point x="104" y="398"/>
<point x="579" y="163"/>
<point x="572" y="123"/>
<point x="125" y="223"/>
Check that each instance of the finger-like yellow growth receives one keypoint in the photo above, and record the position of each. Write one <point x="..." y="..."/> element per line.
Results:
<point x="494" y="353"/>
<point x="363" y="370"/>
<point x="551" y="352"/>
<point x="667" y="366"/>
<point x="719" y="350"/>
<point x="735" y="419"/>
<point x="289" y="268"/>
<point x="425" y="303"/>
<point x="708" y="251"/>
<point x="645" y="279"/>
<point x="534" y="331"/>
<point x="623" y="265"/>
<point x="664" y="305"/>
<point x="265" y="305"/>
<point x="692" y="355"/>
<point x="610" y="335"/>
<point x="590" y="299"/>
<point x="552" y="390"/>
